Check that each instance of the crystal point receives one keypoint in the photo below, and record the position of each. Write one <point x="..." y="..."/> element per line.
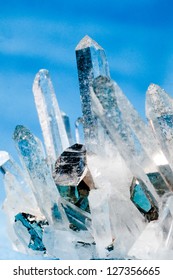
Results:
<point x="159" y="112"/>
<point x="88" y="42"/>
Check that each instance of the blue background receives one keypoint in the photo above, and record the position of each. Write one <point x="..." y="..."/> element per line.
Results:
<point x="137" y="37"/>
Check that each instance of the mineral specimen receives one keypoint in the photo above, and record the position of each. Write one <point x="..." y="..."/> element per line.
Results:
<point x="110" y="197"/>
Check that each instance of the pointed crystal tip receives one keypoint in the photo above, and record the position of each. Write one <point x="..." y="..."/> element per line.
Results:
<point x="42" y="74"/>
<point x="87" y="42"/>
<point x="63" y="114"/>
<point x="41" y="77"/>
<point x="20" y="132"/>
<point x="4" y="157"/>
<point x="153" y="88"/>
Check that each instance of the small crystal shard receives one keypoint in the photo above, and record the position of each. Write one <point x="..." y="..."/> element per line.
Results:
<point x="78" y="123"/>
<point x="158" y="183"/>
<point x="78" y="218"/>
<point x="66" y="121"/>
<point x="70" y="166"/>
<point x="143" y="200"/>
<point x="35" y="229"/>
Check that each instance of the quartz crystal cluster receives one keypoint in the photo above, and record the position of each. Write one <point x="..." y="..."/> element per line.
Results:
<point x="107" y="197"/>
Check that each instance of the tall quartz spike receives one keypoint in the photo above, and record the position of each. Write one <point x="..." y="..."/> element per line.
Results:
<point x="145" y="135"/>
<point x="53" y="129"/>
<point x="141" y="129"/>
<point x="159" y="112"/>
<point x="32" y="157"/>
<point x="91" y="62"/>
<point x="119" y="132"/>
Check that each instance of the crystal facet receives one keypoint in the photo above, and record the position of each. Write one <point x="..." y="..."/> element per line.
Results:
<point x="159" y="111"/>
<point x="32" y="158"/>
<point x="91" y="62"/>
<point x="108" y="196"/>
<point x="54" y="132"/>
<point x="119" y="132"/>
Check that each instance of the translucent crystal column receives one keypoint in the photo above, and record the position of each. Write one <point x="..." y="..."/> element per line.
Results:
<point x="32" y="158"/>
<point x="101" y="226"/>
<point x="91" y="62"/>
<point x="156" y="241"/>
<point x="53" y="129"/>
<point x="121" y="220"/>
<point x="159" y="112"/>
<point x="78" y="123"/>
<point x="150" y="144"/>
<point x="19" y="198"/>
<point x="66" y="121"/>
<point x="140" y="128"/>
<point x="120" y="133"/>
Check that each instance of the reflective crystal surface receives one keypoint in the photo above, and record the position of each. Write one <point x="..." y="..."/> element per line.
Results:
<point x="119" y="132"/>
<point x="32" y="157"/>
<point x="52" y="124"/>
<point x="91" y="62"/>
<point x="109" y="194"/>
<point x="144" y="200"/>
<point x="159" y="111"/>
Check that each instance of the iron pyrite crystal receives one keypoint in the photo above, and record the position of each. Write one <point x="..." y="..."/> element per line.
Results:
<point x="110" y="197"/>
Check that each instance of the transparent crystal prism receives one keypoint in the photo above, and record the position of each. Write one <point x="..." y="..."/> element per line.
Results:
<point x="91" y="62"/>
<point x="122" y="136"/>
<point x="53" y="129"/>
<point x="32" y="157"/>
<point x="159" y="112"/>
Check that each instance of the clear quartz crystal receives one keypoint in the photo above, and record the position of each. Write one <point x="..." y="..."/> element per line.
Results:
<point x="140" y="128"/>
<point x="156" y="241"/>
<point x="43" y="186"/>
<point x="159" y="112"/>
<point x="78" y="124"/>
<point x="98" y="202"/>
<point x="53" y="129"/>
<point x="99" y="206"/>
<point x="121" y="227"/>
<point x="146" y="137"/>
<point x="122" y="136"/>
<point x="19" y="198"/>
<point x="91" y="62"/>
<point x="66" y="121"/>
<point x="19" y="195"/>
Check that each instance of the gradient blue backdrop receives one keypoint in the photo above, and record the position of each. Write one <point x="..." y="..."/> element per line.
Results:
<point x="137" y="37"/>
